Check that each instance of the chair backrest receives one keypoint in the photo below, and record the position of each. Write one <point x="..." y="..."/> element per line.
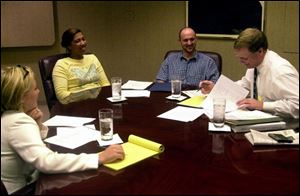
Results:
<point x="46" y="66"/>
<point x="3" y="189"/>
<point x="214" y="55"/>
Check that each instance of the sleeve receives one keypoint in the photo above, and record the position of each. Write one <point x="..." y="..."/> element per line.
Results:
<point x="163" y="71"/>
<point x="26" y="140"/>
<point x="246" y="80"/>
<point x="60" y="81"/>
<point x="103" y="78"/>
<point x="213" y="72"/>
<point x="286" y="87"/>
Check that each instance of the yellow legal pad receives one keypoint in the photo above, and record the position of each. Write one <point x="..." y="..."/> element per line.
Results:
<point x="195" y="101"/>
<point x="136" y="149"/>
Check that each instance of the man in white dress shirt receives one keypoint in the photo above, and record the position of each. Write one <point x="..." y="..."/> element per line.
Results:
<point x="277" y="79"/>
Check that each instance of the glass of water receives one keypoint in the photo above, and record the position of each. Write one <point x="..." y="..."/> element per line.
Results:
<point x="106" y="123"/>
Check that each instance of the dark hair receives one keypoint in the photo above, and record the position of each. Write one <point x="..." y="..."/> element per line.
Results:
<point x="251" y="38"/>
<point x="68" y="36"/>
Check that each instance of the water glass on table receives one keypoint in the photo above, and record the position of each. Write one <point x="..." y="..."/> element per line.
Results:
<point x="116" y="84"/>
<point x="176" y="88"/>
<point x="106" y="123"/>
<point x="219" y="105"/>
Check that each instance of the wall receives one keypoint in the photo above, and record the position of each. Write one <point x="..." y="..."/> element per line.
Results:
<point x="131" y="37"/>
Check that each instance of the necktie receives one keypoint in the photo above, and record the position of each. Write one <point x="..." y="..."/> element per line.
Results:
<point x="254" y="84"/>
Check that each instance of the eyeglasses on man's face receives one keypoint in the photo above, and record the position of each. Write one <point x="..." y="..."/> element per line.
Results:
<point x="25" y="69"/>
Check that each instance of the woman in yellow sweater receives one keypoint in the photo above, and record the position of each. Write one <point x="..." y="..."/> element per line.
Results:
<point x="79" y="76"/>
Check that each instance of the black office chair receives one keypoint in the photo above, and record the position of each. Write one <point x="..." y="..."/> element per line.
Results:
<point x="3" y="189"/>
<point x="214" y="55"/>
<point x="46" y="66"/>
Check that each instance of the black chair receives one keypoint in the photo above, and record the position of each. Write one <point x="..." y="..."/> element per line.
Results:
<point x="3" y="189"/>
<point x="214" y="55"/>
<point x="46" y="66"/>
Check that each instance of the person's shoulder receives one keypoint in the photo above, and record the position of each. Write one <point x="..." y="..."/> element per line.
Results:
<point x="204" y="56"/>
<point x="174" y="55"/>
<point x="90" y="55"/>
<point x="9" y="117"/>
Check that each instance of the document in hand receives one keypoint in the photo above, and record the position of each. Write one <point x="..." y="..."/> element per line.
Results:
<point x="228" y="89"/>
<point x="262" y="138"/>
<point x="136" y="149"/>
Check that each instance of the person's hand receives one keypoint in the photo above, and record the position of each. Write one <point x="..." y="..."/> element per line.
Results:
<point x="36" y="114"/>
<point x="111" y="153"/>
<point x="206" y="86"/>
<point x="251" y="104"/>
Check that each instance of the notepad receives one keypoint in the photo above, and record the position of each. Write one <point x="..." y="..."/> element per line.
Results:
<point x="193" y="102"/>
<point x="136" y="149"/>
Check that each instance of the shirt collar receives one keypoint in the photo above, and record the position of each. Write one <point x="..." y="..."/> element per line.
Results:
<point x="194" y="57"/>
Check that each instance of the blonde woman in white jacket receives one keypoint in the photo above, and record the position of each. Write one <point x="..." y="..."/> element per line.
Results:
<point x="23" y="153"/>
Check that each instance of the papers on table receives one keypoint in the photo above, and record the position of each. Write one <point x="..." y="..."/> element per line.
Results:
<point x="135" y="93"/>
<point x="70" y="137"/>
<point x="228" y="89"/>
<point x="137" y="85"/>
<point x="262" y="138"/>
<point x="184" y="114"/>
<point x="71" y="121"/>
<point x="193" y="93"/>
<point x="247" y="115"/>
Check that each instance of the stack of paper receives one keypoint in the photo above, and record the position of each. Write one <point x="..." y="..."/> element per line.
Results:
<point x="262" y="138"/>
<point x="244" y="120"/>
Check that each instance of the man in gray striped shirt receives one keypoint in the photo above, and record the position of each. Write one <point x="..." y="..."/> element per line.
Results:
<point x="189" y="65"/>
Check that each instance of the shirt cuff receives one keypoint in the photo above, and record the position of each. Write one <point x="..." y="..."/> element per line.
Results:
<point x="269" y="107"/>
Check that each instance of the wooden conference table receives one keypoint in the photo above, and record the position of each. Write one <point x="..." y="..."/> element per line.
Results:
<point x="195" y="161"/>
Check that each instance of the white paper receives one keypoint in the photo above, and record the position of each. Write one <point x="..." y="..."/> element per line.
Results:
<point x="114" y="100"/>
<point x="184" y="114"/>
<point x="116" y="140"/>
<point x="178" y="99"/>
<point x="211" y="127"/>
<point x="193" y="93"/>
<point x="247" y="115"/>
<point x="73" y="137"/>
<point x="228" y="89"/>
<point x="137" y="85"/>
<point x="71" y="121"/>
<point x="135" y="93"/>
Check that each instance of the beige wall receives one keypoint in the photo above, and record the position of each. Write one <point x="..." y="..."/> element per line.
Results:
<point x="131" y="37"/>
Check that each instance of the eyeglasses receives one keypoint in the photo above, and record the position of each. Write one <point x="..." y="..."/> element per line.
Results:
<point x="24" y="68"/>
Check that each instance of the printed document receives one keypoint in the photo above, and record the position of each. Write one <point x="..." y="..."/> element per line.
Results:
<point x="228" y="89"/>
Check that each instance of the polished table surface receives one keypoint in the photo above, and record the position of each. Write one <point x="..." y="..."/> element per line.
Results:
<point x="195" y="161"/>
